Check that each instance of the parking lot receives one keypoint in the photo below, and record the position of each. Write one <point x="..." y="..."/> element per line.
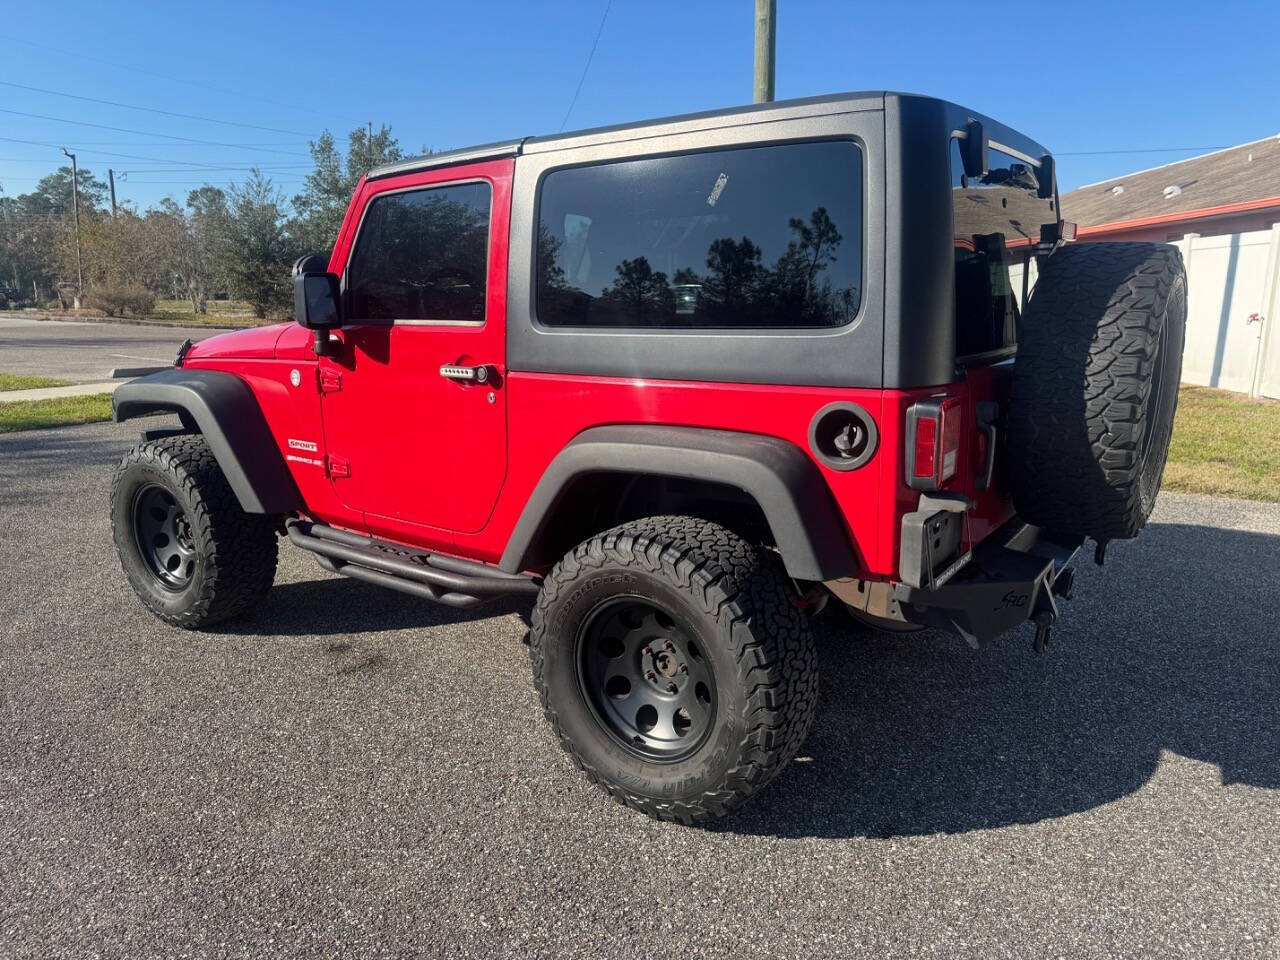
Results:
<point x="353" y="771"/>
<point x="85" y="351"/>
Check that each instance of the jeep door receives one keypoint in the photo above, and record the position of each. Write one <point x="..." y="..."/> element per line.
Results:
<point x="414" y="402"/>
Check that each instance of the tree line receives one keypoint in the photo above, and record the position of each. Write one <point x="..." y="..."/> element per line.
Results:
<point x="233" y="243"/>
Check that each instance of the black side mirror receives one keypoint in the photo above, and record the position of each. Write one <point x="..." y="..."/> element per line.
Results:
<point x="973" y="151"/>
<point x="317" y="301"/>
<point x="1046" y="178"/>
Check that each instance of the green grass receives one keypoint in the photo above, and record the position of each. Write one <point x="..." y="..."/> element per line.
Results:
<point x="61" y="411"/>
<point x="17" y="381"/>
<point x="1225" y="444"/>
<point x="221" y="313"/>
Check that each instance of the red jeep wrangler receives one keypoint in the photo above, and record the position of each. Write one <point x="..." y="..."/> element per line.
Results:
<point x="681" y="381"/>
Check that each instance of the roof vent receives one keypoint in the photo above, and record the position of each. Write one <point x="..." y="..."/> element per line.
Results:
<point x="1117" y="189"/>
<point x="1172" y="191"/>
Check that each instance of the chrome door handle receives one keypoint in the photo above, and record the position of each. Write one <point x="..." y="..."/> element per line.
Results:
<point x="478" y="374"/>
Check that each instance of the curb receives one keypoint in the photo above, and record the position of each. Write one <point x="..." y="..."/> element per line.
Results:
<point x="57" y="393"/>
<point x="136" y="322"/>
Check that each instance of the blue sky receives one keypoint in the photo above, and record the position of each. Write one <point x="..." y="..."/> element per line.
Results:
<point x="1079" y="77"/>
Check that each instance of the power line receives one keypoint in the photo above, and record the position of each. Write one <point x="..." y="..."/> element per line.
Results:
<point x="167" y="113"/>
<point x="591" y="56"/>
<point x="145" y="133"/>
<point x="108" y="153"/>
<point x="154" y="143"/>
<point x="252" y="166"/>
<point x="192" y="183"/>
<point x="273" y="171"/>
<point x="293" y="107"/>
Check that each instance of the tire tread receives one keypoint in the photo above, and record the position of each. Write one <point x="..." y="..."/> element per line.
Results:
<point x="745" y="591"/>
<point x="239" y="550"/>
<point x="1088" y="346"/>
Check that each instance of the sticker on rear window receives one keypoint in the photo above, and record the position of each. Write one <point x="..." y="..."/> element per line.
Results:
<point x="717" y="189"/>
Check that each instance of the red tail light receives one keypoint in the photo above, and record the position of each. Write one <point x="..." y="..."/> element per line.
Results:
<point x="926" y="445"/>
<point x="933" y="443"/>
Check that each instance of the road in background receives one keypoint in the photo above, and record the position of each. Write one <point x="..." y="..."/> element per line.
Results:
<point x="353" y="772"/>
<point x="85" y="352"/>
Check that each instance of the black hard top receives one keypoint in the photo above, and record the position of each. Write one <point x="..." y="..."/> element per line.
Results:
<point x="692" y="122"/>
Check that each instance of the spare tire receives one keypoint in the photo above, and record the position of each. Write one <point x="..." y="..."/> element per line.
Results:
<point x="1095" y="387"/>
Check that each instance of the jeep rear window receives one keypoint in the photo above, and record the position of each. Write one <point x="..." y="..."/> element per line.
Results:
<point x="422" y="255"/>
<point x="751" y="237"/>
<point x="996" y="219"/>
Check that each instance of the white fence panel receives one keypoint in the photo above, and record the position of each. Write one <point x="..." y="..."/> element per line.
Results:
<point x="1268" y="376"/>
<point x="1227" y="278"/>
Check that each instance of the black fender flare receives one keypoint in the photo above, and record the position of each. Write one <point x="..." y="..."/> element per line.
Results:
<point x="797" y="503"/>
<point x="224" y="409"/>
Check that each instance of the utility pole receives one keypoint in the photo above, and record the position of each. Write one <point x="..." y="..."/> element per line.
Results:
<point x="766" y="47"/>
<point x="75" y="206"/>
<point x="111" y="176"/>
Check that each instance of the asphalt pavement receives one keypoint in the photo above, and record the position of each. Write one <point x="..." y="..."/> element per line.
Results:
<point x="353" y="772"/>
<point x="84" y="351"/>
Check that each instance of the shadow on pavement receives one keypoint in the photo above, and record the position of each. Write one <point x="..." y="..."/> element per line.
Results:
<point x="46" y="453"/>
<point x="336" y="606"/>
<point x="1174" y="646"/>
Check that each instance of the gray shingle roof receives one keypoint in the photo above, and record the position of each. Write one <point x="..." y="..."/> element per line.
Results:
<point x="1235" y="175"/>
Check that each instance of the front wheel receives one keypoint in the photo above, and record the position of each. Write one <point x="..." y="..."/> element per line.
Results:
<point x="675" y="666"/>
<point x="191" y="554"/>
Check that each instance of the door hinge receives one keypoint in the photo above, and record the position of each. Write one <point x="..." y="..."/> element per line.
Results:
<point x="336" y="466"/>
<point x="330" y="380"/>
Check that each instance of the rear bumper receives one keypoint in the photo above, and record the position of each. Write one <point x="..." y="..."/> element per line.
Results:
<point x="1012" y="576"/>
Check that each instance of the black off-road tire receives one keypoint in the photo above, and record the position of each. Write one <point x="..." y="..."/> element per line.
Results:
<point x="232" y="553"/>
<point x="736" y="600"/>
<point x="1096" y="387"/>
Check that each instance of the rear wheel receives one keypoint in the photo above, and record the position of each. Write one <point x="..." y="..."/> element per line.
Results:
<point x="647" y="682"/>
<point x="1096" y="387"/>
<point x="675" y="666"/>
<point x="190" y="553"/>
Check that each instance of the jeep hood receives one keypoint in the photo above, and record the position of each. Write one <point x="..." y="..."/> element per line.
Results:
<point x="255" y="344"/>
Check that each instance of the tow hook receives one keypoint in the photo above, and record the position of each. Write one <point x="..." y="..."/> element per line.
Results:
<point x="1045" y="614"/>
<point x="1044" y="630"/>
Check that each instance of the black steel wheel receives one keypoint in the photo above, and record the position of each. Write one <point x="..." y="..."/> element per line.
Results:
<point x="191" y="554"/>
<point x="647" y="681"/>
<point x="674" y="665"/>
<point x="163" y="534"/>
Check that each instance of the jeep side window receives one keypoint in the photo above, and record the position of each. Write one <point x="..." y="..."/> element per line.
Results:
<point x="996" y="219"/>
<point x="422" y="255"/>
<point x="751" y="237"/>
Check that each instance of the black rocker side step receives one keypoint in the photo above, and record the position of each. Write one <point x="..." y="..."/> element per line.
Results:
<point x="447" y="580"/>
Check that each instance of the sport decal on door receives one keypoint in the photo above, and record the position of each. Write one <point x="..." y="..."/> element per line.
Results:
<point x="306" y="446"/>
